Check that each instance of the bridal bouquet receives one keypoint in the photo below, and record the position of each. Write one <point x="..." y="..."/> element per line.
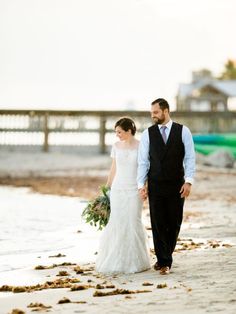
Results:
<point x="97" y="211"/>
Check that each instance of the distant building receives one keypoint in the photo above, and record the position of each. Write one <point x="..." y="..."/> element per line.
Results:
<point x="205" y="93"/>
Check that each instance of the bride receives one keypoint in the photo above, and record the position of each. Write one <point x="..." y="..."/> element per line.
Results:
<point x="123" y="245"/>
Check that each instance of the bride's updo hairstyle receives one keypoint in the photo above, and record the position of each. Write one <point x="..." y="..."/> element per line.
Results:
<point x="126" y="124"/>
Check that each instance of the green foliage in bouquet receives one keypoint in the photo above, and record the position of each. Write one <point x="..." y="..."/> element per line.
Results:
<point x="97" y="211"/>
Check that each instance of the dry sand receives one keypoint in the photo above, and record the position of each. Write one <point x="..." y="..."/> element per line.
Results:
<point x="202" y="279"/>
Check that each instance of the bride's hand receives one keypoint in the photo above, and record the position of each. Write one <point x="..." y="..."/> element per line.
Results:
<point x="143" y="193"/>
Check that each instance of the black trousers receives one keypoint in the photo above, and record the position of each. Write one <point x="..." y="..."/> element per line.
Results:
<point x="166" y="212"/>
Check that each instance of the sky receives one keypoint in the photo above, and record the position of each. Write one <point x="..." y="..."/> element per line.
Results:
<point x="108" y="54"/>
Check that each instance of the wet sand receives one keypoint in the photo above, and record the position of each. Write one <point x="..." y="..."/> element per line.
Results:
<point x="82" y="186"/>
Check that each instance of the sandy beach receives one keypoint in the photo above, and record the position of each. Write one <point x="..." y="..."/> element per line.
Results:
<point x="204" y="268"/>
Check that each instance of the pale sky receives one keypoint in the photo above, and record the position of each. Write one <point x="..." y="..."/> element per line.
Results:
<point x="108" y="54"/>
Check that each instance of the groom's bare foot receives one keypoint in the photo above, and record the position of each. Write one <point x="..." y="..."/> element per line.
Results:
<point x="165" y="270"/>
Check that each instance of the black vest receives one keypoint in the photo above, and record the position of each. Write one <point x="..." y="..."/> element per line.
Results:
<point x="166" y="160"/>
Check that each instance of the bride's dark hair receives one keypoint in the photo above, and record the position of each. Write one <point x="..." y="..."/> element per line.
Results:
<point x="126" y="124"/>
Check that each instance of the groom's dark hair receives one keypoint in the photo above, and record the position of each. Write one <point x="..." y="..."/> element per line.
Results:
<point x="162" y="103"/>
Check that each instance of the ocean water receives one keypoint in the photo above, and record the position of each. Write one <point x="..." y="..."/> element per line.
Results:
<point x="35" y="226"/>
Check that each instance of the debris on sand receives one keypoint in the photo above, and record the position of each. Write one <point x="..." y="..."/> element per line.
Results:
<point x="85" y="271"/>
<point x="39" y="306"/>
<point x="58" y="255"/>
<point x="128" y="297"/>
<point x="161" y="285"/>
<point x="64" y="300"/>
<point x="189" y="244"/>
<point x="78" y="270"/>
<point x="59" y="283"/>
<point x="99" y="286"/>
<point x="118" y="291"/>
<point x="63" y="273"/>
<point x="80" y="287"/>
<point x="147" y="283"/>
<point x="110" y="286"/>
<point x="40" y="267"/>
<point x="19" y="289"/>
<point x="17" y="311"/>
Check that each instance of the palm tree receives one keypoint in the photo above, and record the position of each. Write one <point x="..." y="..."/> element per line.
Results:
<point x="229" y="72"/>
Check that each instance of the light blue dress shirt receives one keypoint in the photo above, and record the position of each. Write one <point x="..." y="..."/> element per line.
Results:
<point x="143" y="155"/>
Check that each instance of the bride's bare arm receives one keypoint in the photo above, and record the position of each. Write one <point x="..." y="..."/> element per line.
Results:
<point x="111" y="173"/>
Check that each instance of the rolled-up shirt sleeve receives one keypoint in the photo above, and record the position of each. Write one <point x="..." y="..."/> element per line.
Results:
<point x="143" y="159"/>
<point x="189" y="157"/>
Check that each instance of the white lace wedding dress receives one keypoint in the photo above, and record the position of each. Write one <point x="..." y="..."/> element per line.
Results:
<point x="124" y="244"/>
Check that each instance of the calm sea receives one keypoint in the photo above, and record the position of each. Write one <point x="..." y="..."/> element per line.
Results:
<point x="35" y="226"/>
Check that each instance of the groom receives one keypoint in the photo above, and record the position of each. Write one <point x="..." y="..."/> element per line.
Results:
<point x="166" y="162"/>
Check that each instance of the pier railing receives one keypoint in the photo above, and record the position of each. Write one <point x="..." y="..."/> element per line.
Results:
<point x="44" y="123"/>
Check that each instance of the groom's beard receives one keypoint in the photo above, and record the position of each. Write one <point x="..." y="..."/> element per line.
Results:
<point x="158" y="120"/>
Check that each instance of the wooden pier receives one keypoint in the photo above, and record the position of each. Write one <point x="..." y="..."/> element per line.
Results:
<point x="57" y="121"/>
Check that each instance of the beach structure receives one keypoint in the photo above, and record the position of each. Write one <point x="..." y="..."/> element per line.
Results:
<point x="205" y="93"/>
<point x="48" y="128"/>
